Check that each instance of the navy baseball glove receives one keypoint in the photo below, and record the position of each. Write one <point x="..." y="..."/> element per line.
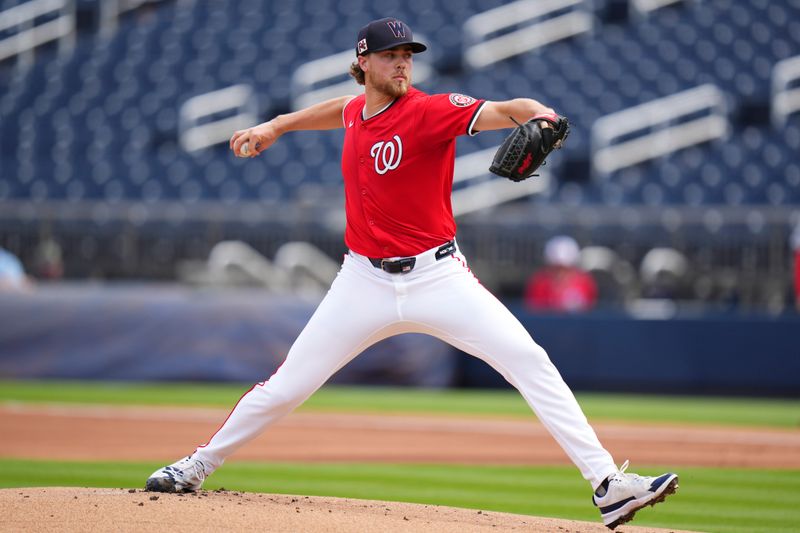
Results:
<point x="526" y="148"/>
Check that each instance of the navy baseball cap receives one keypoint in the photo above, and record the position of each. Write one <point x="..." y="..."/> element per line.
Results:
<point x="386" y="33"/>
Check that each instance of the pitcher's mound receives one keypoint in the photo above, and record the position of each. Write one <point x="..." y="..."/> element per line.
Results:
<point x="86" y="509"/>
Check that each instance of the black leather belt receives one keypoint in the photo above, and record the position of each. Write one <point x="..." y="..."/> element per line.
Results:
<point x="407" y="264"/>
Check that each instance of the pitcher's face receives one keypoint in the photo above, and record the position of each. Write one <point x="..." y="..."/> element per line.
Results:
<point x="389" y="71"/>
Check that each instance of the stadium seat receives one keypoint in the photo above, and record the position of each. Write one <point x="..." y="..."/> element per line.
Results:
<point x="109" y="108"/>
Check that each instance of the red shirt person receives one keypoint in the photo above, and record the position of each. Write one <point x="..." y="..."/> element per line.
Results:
<point x="561" y="285"/>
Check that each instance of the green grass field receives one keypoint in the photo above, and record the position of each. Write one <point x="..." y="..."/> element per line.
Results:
<point x="683" y="409"/>
<point x="724" y="500"/>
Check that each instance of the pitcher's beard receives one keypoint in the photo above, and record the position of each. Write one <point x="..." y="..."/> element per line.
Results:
<point x="392" y="88"/>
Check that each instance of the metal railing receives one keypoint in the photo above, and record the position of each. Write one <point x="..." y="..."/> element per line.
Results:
<point x="31" y="33"/>
<point x="200" y="125"/>
<point x="657" y="128"/>
<point x="521" y="26"/>
<point x="741" y="251"/>
<point x="785" y="89"/>
<point x="645" y="7"/>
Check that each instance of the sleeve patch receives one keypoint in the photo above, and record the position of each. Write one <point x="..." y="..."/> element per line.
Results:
<point x="461" y="100"/>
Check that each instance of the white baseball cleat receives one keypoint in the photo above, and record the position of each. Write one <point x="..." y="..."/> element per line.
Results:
<point x="627" y="493"/>
<point x="186" y="475"/>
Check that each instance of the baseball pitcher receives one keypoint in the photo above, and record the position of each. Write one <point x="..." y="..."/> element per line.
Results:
<point x="404" y="271"/>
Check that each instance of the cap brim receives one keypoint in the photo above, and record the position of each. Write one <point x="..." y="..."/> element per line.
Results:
<point x="415" y="47"/>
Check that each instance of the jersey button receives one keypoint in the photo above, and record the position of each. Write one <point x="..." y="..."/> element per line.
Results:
<point x="371" y="222"/>
<point x="363" y="192"/>
<point x="361" y="160"/>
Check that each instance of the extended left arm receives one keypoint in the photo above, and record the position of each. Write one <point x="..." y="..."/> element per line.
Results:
<point x="495" y="115"/>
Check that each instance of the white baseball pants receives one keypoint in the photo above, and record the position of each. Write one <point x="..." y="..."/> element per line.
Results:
<point x="441" y="298"/>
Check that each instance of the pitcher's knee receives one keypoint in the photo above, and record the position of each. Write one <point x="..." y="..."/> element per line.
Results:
<point x="536" y="352"/>
<point x="274" y="398"/>
<point x="532" y="359"/>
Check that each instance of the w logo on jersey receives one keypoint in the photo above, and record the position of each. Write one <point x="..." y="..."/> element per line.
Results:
<point x="387" y="154"/>
<point x="397" y="27"/>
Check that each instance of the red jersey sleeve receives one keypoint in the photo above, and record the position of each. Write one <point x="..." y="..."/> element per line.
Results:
<point x="351" y="109"/>
<point x="446" y="116"/>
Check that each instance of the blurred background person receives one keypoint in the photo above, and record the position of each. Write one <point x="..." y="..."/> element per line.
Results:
<point x="48" y="261"/>
<point x="12" y="273"/>
<point x="663" y="274"/>
<point x="795" y="244"/>
<point x="561" y="285"/>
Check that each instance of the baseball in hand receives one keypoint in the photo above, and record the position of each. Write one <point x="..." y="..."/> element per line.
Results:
<point x="245" y="149"/>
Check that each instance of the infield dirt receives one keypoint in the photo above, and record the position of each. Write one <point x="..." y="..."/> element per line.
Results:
<point x="123" y="433"/>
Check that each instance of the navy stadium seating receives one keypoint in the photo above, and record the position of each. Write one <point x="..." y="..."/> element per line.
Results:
<point x="101" y="121"/>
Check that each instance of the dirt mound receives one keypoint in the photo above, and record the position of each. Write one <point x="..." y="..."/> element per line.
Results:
<point x="121" y="510"/>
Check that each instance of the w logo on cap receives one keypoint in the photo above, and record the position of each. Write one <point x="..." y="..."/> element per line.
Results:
<point x="397" y="27"/>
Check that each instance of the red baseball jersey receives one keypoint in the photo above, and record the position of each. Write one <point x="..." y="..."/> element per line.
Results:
<point x="398" y="172"/>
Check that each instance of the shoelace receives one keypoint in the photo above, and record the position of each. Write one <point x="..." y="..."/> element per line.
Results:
<point x="199" y="471"/>
<point x="198" y="467"/>
<point x="618" y="477"/>
<point x="614" y="478"/>
<point x="633" y="477"/>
